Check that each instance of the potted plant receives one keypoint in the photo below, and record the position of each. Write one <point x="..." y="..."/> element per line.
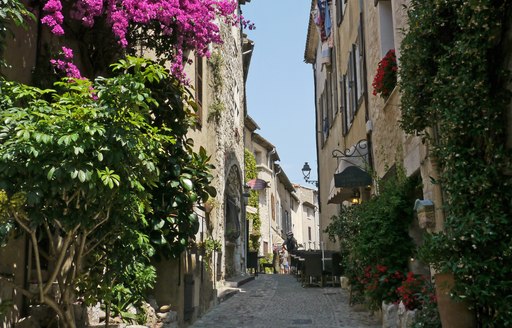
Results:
<point x="386" y="76"/>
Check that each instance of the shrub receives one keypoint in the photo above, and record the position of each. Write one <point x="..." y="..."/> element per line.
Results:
<point x="381" y="284"/>
<point x="411" y="290"/>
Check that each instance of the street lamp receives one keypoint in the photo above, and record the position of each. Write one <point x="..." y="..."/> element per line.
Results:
<point x="306" y="171"/>
<point x="356" y="197"/>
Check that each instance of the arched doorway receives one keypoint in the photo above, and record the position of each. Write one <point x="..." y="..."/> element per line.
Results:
<point x="234" y="236"/>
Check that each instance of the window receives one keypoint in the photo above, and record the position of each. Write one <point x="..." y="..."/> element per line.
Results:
<point x="259" y="158"/>
<point x="265" y="248"/>
<point x="334" y="87"/>
<point x="387" y="38"/>
<point x="273" y="207"/>
<point x="359" y="72"/>
<point x="350" y="85"/>
<point x="199" y="89"/>
<point x="279" y="215"/>
<point x="340" y="10"/>
<point x="328" y="99"/>
<point x="354" y="85"/>
<point x="309" y="233"/>
<point x="360" y="57"/>
<point x="324" y="118"/>
<point x="343" y="105"/>
<point x="286" y="222"/>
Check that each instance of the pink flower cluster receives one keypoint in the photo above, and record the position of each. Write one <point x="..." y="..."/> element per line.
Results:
<point x="65" y="65"/>
<point x="190" y="22"/>
<point x="54" y="17"/>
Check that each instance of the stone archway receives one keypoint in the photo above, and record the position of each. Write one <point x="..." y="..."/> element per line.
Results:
<point x="234" y="224"/>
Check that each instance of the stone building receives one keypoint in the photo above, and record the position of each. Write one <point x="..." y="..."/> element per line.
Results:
<point x="266" y="155"/>
<point x="188" y="284"/>
<point x="306" y="226"/>
<point x="359" y="141"/>
<point x="341" y="108"/>
<point x="218" y="84"/>
<point x="283" y="205"/>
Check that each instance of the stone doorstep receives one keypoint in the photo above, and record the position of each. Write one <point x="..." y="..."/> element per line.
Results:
<point x="231" y="286"/>
<point x="117" y="325"/>
<point x="237" y="281"/>
<point x="226" y="293"/>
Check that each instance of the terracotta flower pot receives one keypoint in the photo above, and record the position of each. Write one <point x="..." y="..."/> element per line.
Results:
<point x="453" y="314"/>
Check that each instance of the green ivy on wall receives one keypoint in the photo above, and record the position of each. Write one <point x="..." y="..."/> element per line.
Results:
<point x="452" y="83"/>
<point x="217" y="107"/>
<point x="252" y="173"/>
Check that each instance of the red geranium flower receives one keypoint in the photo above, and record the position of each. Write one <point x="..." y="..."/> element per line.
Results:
<point x="385" y="79"/>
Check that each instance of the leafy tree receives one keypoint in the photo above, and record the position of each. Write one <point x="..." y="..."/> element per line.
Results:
<point x="106" y="177"/>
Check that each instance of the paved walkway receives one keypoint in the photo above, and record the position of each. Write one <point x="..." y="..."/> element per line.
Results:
<point x="279" y="301"/>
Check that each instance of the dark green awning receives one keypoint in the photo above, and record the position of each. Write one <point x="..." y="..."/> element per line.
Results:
<point x="352" y="177"/>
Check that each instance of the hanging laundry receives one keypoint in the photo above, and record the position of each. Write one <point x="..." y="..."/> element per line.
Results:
<point x="327" y="19"/>
<point x="325" y="54"/>
<point x="320" y="20"/>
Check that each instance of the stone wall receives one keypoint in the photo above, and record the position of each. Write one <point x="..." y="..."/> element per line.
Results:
<point x="223" y="139"/>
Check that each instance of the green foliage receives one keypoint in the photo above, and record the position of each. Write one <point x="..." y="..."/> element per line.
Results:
<point x="210" y="246"/>
<point x="452" y="81"/>
<point x="217" y="107"/>
<point x="107" y="167"/>
<point x="215" y="110"/>
<point x="252" y="173"/>
<point x="121" y="288"/>
<point x="9" y="205"/>
<point x="376" y="232"/>
<point x="428" y="316"/>
<point x="5" y="306"/>
<point x="380" y="284"/>
<point x="266" y="260"/>
<point x="11" y="12"/>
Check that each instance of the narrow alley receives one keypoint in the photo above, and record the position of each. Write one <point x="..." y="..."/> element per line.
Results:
<point x="280" y="301"/>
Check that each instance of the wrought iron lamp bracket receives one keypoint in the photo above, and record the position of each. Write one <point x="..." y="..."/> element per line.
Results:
<point x="353" y="153"/>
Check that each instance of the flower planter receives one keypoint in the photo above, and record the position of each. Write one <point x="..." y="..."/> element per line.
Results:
<point x="453" y="314"/>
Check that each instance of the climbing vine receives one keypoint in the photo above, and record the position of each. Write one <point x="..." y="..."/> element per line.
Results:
<point x="217" y="81"/>
<point x="210" y="246"/>
<point x="452" y="83"/>
<point x="251" y="173"/>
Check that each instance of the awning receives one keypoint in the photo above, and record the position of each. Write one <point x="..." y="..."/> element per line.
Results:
<point x="350" y="173"/>
<point x="257" y="184"/>
<point x="352" y="177"/>
<point x="338" y="195"/>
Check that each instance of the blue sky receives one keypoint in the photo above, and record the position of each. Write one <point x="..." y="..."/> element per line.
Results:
<point x="280" y="90"/>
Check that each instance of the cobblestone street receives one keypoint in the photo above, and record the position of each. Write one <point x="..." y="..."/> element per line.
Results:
<point x="280" y="301"/>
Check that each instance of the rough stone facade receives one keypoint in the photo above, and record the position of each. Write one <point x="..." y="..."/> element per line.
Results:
<point x="362" y="33"/>
<point x="187" y="284"/>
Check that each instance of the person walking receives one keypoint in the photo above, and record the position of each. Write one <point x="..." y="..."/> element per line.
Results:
<point x="290" y="245"/>
<point x="285" y="264"/>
